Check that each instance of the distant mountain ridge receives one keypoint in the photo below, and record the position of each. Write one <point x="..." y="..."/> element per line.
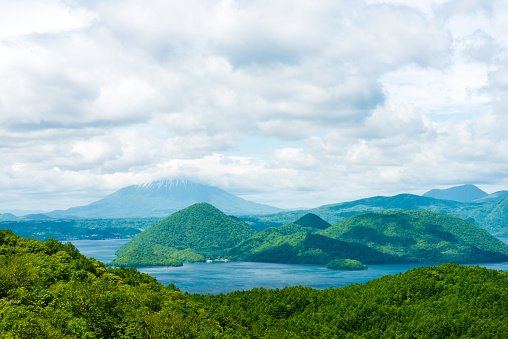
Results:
<point x="422" y="236"/>
<point x="162" y="198"/>
<point x="490" y="212"/>
<point x="493" y="197"/>
<point x="7" y="217"/>
<point x="464" y="193"/>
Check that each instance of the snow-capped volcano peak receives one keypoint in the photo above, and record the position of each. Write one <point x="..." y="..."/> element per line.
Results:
<point x="167" y="184"/>
<point x="161" y="198"/>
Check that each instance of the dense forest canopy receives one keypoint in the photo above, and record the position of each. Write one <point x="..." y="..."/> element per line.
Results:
<point x="202" y="232"/>
<point x="49" y="290"/>
<point x="201" y="229"/>
<point x="421" y="236"/>
<point x="490" y="213"/>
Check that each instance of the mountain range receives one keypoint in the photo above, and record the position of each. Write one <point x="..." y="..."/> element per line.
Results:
<point x="489" y="212"/>
<point x="202" y="231"/>
<point x="160" y="199"/>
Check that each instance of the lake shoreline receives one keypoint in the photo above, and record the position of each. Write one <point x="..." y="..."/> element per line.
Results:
<point x="225" y="277"/>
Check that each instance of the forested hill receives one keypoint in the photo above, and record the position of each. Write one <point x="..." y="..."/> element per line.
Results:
<point x="200" y="228"/>
<point x="292" y="243"/>
<point x="488" y="213"/>
<point x="374" y="238"/>
<point x="421" y="236"/>
<point x="49" y="290"/>
<point x="202" y="232"/>
<point x="313" y="221"/>
<point x="333" y="213"/>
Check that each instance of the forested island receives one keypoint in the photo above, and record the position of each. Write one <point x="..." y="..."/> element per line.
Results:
<point x="49" y="290"/>
<point x="346" y="265"/>
<point x="201" y="231"/>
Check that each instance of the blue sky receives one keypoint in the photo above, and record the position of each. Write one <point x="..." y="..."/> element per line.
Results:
<point x="290" y="103"/>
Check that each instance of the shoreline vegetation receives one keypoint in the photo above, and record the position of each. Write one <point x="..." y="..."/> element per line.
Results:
<point x="50" y="290"/>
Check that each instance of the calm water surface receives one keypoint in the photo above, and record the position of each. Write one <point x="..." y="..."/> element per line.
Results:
<point x="216" y="278"/>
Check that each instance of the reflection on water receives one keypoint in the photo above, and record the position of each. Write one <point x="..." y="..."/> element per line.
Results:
<point x="216" y="278"/>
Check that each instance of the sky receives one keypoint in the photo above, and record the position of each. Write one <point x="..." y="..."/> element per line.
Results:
<point x="289" y="103"/>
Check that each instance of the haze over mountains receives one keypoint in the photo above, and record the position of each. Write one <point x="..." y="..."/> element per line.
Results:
<point x="162" y="198"/>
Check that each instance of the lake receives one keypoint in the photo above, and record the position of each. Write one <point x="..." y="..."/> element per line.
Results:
<point x="223" y="277"/>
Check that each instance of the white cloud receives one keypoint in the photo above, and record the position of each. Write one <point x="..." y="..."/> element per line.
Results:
<point x="18" y="18"/>
<point x="362" y="98"/>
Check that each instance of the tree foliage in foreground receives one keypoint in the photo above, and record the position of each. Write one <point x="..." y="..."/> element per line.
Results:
<point x="447" y="301"/>
<point x="50" y="290"/>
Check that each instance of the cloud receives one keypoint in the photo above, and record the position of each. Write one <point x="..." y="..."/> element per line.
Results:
<point x="360" y="97"/>
<point x="21" y="18"/>
<point x="481" y="47"/>
<point x="454" y="8"/>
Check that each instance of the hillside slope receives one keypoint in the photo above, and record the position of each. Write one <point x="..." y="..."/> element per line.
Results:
<point x="495" y="219"/>
<point x="476" y="212"/>
<point x="421" y="236"/>
<point x="313" y="221"/>
<point x="493" y="197"/>
<point x="447" y="301"/>
<point x="200" y="227"/>
<point x="292" y="243"/>
<point x="333" y="213"/>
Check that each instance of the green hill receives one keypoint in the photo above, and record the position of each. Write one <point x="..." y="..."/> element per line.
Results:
<point x="200" y="227"/>
<point x="493" y="197"/>
<point x="476" y="212"/>
<point x="421" y="236"/>
<point x="292" y="243"/>
<point x="495" y="219"/>
<point x="333" y="213"/>
<point x="8" y="217"/>
<point x="312" y="220"/>
<point x="201" y="231"/>
<point x="135" y="257"/>
<point x="50" y="290"/>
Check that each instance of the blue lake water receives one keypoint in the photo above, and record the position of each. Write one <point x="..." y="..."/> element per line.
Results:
<point x="222" y="277"/>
